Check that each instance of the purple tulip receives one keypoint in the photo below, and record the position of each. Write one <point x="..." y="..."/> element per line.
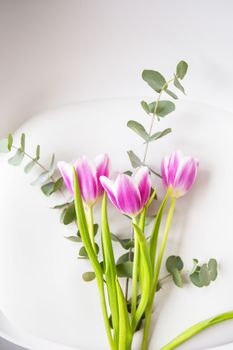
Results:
<point x="129" y="194"/>
<point x="89" y="178"/>
<point x="178" y="173"/>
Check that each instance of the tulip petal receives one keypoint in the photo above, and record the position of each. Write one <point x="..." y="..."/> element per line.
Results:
<point x="127" y="195"/>
<point x="66" y="171"/>
<point x="143" y="182"/>
<point x="102" y="169"/>
<point x="186" y="175"/>
<point x="87" y="180"/>
<point x="108" y="185"/>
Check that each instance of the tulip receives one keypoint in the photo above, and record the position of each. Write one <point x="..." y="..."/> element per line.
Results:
<point x="129" y="194"/>
<point x="178" y="173"/>
<point x="89" y="178"/>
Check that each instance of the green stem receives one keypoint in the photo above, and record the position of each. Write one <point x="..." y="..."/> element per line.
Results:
<point x="198" y="327"/>
<point x="149" y="308"/>
<point x="90" y="222"/>
<point x="154" y="114"/>
<point x="81" y="216"/>
<point x="135" y="275"/>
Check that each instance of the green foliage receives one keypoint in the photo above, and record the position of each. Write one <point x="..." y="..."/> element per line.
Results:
<point x="126" y="243"/>
<point x="138" y="129"/>
<point x="46" y="174"/>
<point x="171" y="94"/>
<point x="52" y="187"/>
<point x="125" y="269"/>
<point x="134" y="159"/>
<point x="154" y="79"/>
<point x="88" y="276"/>
<point x="83" y="253"/>
<point x="174" y="265"/>
<point x="163" y="108"/>
<point x="178" y="85"/>
<point x="202" y="275"/>
<point x="181" y="69"/>
<point x="75" y="239"/>
<point x="69" y="214"/>
<point x="17" y="159"/>
<point x="125" y="257"/>
<point x="159" y="134"/>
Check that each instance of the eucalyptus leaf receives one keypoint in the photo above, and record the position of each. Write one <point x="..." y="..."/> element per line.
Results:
<point x="70" y="214"/>
<point x="213" y="269"/>
<point x="29" y="166"/>
<point x="37" y="152"/>
<point x="75" y="239"/>
<point x="88" y="276"/>
<point x="22" y="142"/>
<point x="128" y="172"/>
<point x="10" y="142"/>
<point x="42" y="178"/>
<point x="125" y="257"/>
<point x="145" y="106"/>
<point x="164" y="108"/>
<point x="138" y="129"/>
<point x="171" y="93"/>
<point x="125" y="243"/>
<point x="134" y="159"/>
<point x="178" y="85"/>
<point x="52" y="187"/>
<point x="4" y="146"/>
<point x="125" y="269"/>
<point x="96" y="227"/>
<point x="204" y="275"/>
<point x="181" y="69"/>
<point x="61" y="206"/>
<point x="174" y="265"/>
<point x="154" y="79"/>
<point x="159" y="134"/>
<point x="17" y="159"/>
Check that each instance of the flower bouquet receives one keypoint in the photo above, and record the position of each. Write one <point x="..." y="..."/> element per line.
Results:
<point x="128" y="286"/>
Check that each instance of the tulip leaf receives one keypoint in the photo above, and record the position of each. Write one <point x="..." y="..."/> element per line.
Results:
<point x="75" y="239"/>
<point x="171" y="93"/>
<point x="154" y="79"/>
<point x="181" y="69"/>
<point x="164" y="108"/>
<point x="88" y="276"/>
<point x="134" y="159"/>
<point x="125" y="269"/>
<point x="138" y="129"/>
<point x="70" y="214"/>
<point x="125" y="243"/>
<point x="160" y="134"/>
<point x="17" y="159"/>
<point x="178" y="85"/>
<point x="145" y="106"/>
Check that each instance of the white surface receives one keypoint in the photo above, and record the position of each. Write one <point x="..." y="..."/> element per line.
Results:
<point x="42" y="266"/>
<point x="56" y="51"/>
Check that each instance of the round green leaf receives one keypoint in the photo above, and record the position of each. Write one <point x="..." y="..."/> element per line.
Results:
<point x="154" y="79"/>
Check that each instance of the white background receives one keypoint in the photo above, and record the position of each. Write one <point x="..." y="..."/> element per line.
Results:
<point x="56" y="52"/>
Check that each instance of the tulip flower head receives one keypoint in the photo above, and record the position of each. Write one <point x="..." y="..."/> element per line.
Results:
<point x="178" y="173"/>
<point x="129" y="194"/>
<point x="89" y="178"/>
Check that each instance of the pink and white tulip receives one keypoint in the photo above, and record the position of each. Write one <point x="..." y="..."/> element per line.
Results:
<point x="178" y="173"/>
<point x="129" y="194"/>
<point x="89" y="178"/>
